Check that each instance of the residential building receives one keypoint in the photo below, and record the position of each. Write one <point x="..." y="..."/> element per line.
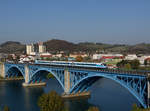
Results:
<point x="42" y="48"/>
<point x="29" y="49"/>
<point x="143" y="58"/>
<point x="75" y="55"/>
<point x="131" y="57"/>
<point x="107" y="56"/>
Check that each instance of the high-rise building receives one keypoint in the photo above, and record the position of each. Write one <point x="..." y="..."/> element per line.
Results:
<point x="29" y="49"/>
<point x="42" y="48"/>
<point x="34" y="49"/>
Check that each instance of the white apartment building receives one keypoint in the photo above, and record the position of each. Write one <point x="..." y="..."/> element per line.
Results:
<point x="131" y="57"/>
<point x="42" y="48"/>
<point x="29" y="49"/>
<point x="96" y="56"/>
<point x="143" y="58"/>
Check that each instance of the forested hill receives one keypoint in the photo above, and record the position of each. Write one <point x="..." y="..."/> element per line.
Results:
<point x="12" y="47"/>
<point x="62" y="45"/>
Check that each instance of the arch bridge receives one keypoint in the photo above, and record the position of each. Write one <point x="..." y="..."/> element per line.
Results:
<point x="78" y="80"/>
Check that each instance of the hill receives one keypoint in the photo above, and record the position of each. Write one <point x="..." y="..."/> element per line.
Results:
<point x="12" y="47"/>
<point x="139" y="49"/>
<point x="59" y="45"/>
<point x="56" y="45"/>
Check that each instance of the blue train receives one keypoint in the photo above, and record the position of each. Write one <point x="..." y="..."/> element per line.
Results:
<point x="68" y="63"/>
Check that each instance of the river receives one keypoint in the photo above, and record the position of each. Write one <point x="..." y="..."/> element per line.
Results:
<point x="105" y="94"/>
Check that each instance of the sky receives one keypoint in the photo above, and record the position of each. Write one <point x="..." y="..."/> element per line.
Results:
<point x="106" y="21"/>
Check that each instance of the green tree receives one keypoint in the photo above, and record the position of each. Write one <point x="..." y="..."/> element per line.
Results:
<point x="86" y="59"/>
<point x="6" y="108"/>
<point x="51" y="102"/>
<point x="18" y="57"/>
<point x="145" y="62"/>
<point x="135" y="64"/>
<point x="136" y="108"/>
<point x="50" y="76"/>
<point x="1" y="77"/>
<point x="79" y="58"/>
<point x="3" y="59"/>
<point x="10" y="58"/>
<point x="122" y="63"/>
<point x="127" y="66"/>
<point x="93" y="109"/>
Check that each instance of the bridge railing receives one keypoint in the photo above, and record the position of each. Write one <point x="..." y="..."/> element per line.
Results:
<point x="123" y="71"/>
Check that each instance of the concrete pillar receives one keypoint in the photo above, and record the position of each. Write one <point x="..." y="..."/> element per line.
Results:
<point x="148" y="96"/>
<point x="27" y="79"/>
<point x="148" y="88"/>
<point x="67" y="81"/>
<point x="2" y="69"/>
<point x="26" y="74"/>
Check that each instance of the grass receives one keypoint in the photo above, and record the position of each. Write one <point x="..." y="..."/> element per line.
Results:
<point x="1" y="77"/>
<point x="113" y="61"/>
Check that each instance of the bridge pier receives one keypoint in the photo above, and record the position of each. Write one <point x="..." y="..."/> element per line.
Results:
<point x="26" y="74"/>
<point x="26" y="83"/>
<point x="148" y="93"/>
<point x="27" y="79"/>
<point x="67" y="87"/>
<point x="67" y="81"/>
<point x="2" y="70"/>
<point x="148" y="89"/>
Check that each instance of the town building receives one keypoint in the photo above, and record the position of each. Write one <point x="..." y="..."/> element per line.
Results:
<point x="75" y="55"/>
<point x="29" y="49"/>
<point x="143" y="58"/>
<point x="46" y="55"/>
<point x="42" y="48"/>
<point x="107" y="56"/>
<point x="131" y="57"/>
<point x="147" y="61"/>
<point x="24" y="58"/>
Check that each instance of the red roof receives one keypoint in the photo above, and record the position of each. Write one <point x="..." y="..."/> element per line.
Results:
<point x="148" y="59"/>
<point x="111" y="57"/>
<point x="46" y="56"/>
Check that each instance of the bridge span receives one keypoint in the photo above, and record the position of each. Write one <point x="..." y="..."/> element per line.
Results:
<point x="78" y="79"/>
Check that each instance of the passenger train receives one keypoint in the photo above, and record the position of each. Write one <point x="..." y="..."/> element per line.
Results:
<point x="68" y="63"/>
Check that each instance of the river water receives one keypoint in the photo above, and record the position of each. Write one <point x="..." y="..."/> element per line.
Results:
<point x="105" y="94"/>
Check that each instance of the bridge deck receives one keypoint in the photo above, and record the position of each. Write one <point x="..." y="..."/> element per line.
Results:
<point x="105" y="70"/>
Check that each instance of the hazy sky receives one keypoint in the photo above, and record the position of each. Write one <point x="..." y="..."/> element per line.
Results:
<point x="108" y="21"/>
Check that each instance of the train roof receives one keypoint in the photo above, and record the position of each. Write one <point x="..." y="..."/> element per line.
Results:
<point x="71" y="62"/>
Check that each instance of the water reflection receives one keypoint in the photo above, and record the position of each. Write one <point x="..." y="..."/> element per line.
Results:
<point x="81" y="104"/>
<point x="28" y="99"/>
